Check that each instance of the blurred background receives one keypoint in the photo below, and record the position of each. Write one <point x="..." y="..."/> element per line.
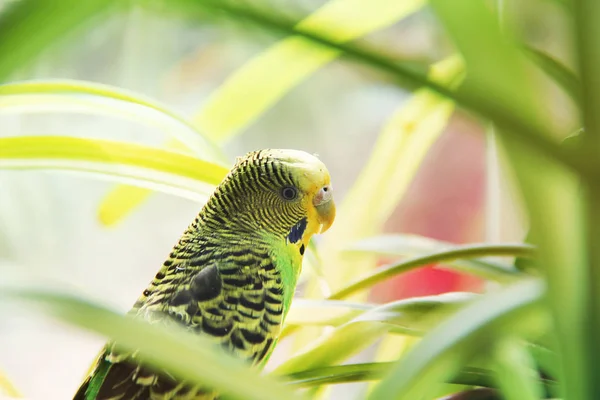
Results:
<point x="49" y="221"/>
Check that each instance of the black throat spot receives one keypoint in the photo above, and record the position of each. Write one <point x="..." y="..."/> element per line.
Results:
<point x="297" y="231"/>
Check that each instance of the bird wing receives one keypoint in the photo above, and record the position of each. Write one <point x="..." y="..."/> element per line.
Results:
<point x="234" y="298"/>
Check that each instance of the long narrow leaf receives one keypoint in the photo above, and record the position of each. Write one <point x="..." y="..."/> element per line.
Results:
<point x="262" y="81"/>
<point x="34" y="148"/>
<point x="124" y="199"/>
<point x="76" y="90"/>
<point x="491" y="271"/>
<point x="185" y="355"/>
<point x="515" y="371"/>
<point x="445" y="350"/>
<point x="134" y="164"/>
<point x="411" y="316"/>
<point x="505" y="113"/>
<point x="562" y="75"/>
<point x="350" y="373"/>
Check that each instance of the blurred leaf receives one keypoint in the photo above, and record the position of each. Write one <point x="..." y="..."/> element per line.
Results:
<point x="187" y="356"/>
<point x="552" y="193"/>
<point x="122" y="200"/>
<point x="581" y="375"/>
<point x="504" y="85"/>
<point x="339" y="374"/>
<point x="476" y="97"/>
<point x="49" y="20"/>
<point x="397" y="154"/>
<point x="157" y="169"/>
<point x="349" y="373"/>
<point x="547" y="361"/>
<point x="475" y="394"/>
<point x="515" y="371"/>
<point x="262" y="81"/>
<point x="396" y="157"/>
<point x="7" y="388"/>
<point x="76" y="92"/>
<point x="411" y="316"/>
<point x="488" y="270"/>
<point x="449" y="346"/>
<point x="73" y="95"/>
<point x="324" y="312"/>
<point x="562" y="75"/>
<point x="411" y="245"/>
<point x="550" y="190"/>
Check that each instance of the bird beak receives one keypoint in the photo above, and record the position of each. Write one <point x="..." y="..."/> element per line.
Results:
<point x="325" y="206"/>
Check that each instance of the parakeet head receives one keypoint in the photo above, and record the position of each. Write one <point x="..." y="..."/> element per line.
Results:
<point x="285" y="193"/>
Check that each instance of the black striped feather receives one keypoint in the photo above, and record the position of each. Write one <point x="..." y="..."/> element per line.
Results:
<point x="235" y="297"/>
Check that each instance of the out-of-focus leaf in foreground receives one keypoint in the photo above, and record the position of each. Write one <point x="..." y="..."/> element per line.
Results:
<point x="140" y="165"/>
<point x="185" y="355"/>
<point x="412" y="316"/>
<point x="124" y="199"/>
<point x="488" y="270"/>
<point x="263" y="80"/>
<point x="451" y="344"/>
<point x="74" y="91"/>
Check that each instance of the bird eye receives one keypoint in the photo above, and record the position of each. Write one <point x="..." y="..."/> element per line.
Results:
<point x="289" y="193"/>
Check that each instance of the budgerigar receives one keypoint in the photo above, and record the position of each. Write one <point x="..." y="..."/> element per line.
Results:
<point x="233" y="273"/>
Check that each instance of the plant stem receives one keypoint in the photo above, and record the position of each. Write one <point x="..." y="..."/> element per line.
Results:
<point x="587" y="36"/>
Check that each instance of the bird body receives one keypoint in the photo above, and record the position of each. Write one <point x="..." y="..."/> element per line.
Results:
<point x="232" y="274"/>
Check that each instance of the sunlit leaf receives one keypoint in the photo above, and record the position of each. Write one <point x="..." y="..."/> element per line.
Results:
<point x="515" y="371"/>
<point x="324" y="312"/>
<point x="449" y="346"/>
<point x="411" y="316"/>
<point x="398" y="152"/>
<point x="185" y="355"/>
<point x="502" y="110"/>
<point x="349" y="373"/>
<point x="140" y="165"/>
<point x="488" y="270"/>
<point x="263" y="80"/>
<point x="124" y="199"/>
<point x="32" y="95"/>
<point x="561" y="74"/>
<point x="396" y="157"/>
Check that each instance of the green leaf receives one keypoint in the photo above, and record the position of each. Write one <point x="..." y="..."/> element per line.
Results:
<point x="324" y="312"/>
<point x="122" y="200"/>
<point x="400" y="148"/>
<point x="503" y="111"/>
<point x="515" y="371"/>
<point x="411" y="245"/>
<point x="157" y="169"/>
<point x="185" y="355"/>
<point x="351" y="373"/>
<point x="412" y="316"/>
<point x="33" y="94"/>
<point x="28" y="27"/>
<point x="562" y="75"/>
<point x="263" y="80"/>
<point x="488" y="270"/>
<point x="448" y="347"/>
